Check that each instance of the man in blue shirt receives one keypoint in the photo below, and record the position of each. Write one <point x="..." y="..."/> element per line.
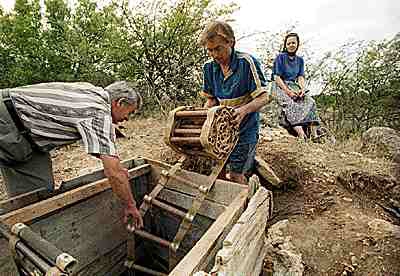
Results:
<point x="234" y="79"/>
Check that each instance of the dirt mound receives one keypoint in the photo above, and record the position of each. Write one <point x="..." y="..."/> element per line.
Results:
<point x="338" y="195"/>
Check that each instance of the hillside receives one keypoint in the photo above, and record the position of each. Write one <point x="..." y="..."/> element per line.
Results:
<point x="340" y="205"/>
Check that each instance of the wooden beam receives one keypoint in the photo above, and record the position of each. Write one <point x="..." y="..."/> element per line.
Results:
<point x="209" y="209"/>
<point x="196" y="258"/>
<point x="223" y="192"/>
<point x="23" y="200"/>
<point x="244" y="244"/>
<point x="34" y="196"/>
<point x="52" y="204"/>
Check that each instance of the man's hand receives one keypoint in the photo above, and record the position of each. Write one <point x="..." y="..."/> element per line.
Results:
<point x="132" y="217"/>
<point x="118" y="178"/>
<point x="239" y="114"/>
<point x="132" y="214"/>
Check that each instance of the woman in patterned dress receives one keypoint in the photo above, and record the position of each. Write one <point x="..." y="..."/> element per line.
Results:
<point x="299" y="109"/>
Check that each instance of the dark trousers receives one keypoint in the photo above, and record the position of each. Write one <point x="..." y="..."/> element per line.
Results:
<point x="23" y="167"/>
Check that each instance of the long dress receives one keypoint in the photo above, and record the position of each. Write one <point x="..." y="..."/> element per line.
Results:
<point x="296" y="113"/>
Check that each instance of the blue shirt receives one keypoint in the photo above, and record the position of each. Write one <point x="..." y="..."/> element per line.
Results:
<point x="288" y="68"/>
<point x="244" y="83"/>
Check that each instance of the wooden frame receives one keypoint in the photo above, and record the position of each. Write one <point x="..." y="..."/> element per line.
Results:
<point x="72" y="219"/>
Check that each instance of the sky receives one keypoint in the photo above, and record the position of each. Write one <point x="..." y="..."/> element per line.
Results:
<point x="324" y="24"/>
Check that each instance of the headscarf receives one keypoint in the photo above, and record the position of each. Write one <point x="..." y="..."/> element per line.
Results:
<point x="285" y="40"/>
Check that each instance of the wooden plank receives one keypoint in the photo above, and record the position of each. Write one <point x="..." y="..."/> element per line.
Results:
<point x="76" y="230"/>
<point x="57" y="202"/>
<point x="255" y="247"/>
<point x="111" y="263"/>
<point x="242" y="247"/>
<point x="223" y="192"/>
<point x="197" y="257"/>
<point x="209" y="208"/>
<point x="258" y="267"/>
<point x="23" y="200"/>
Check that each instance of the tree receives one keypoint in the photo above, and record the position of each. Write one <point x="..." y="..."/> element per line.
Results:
<point x="21" y="44"/>
<point x="164" y="54"/>
<point x="153" y="44"/>
<point x="362" y="87"/>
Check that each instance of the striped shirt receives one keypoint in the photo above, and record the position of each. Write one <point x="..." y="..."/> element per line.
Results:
<point x="61" y="113"/>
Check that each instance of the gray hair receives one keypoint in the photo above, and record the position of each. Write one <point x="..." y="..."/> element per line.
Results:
<point x="127" y="90"/>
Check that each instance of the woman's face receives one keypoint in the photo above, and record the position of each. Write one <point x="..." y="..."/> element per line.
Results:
<point x="220" y="50"/>
<point x="291" y="44"/>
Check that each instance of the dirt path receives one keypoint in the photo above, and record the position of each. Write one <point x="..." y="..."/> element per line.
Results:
<point x="332" y="198"/>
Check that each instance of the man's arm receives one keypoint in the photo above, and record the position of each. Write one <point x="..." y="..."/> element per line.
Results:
<point x="119" y="180"/>
<point x="253" y="106"/>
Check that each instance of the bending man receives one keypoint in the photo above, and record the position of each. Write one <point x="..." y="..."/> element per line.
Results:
<point x="37" y="118"/>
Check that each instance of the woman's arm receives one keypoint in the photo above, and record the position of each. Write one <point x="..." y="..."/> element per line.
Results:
<point x="211" y="102"/>
<point x="253" y="106"/>
<point x="301" y="80"/>
<point x="283" y="86"/>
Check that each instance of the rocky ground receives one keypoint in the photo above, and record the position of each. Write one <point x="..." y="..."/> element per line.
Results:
<point x="341" y="206"/>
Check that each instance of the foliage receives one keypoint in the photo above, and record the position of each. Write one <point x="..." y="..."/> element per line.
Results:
<point x="166" y="57"/>
<point x="270" y="44"/>
<point x="20" y="50"/>
<point x="153" y="44"/>
<point x="362" y="87"/>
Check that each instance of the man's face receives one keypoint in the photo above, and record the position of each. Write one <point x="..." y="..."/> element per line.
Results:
<point x="291" y="44"/>
<point x="121" y="109"/>
<point x="219" y="49"/>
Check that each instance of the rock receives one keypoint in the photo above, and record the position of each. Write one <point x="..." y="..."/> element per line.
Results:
<point x="286" y="261"/>
<point x="347" y="199"/>
<point x="356" y="153"/>
<point x="395" y="203"/>
<point x="270" y="114"/>
<point x="354" y="261"/>
<point x="383" y="141"/>
<point x="201" y="273"/>
<point x="380" y="228"/>
<point x="265" y="170"/>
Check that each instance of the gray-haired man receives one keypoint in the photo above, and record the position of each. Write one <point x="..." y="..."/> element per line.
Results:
<point x="37" y="118"/>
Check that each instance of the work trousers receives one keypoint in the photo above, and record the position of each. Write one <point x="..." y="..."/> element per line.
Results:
<point x="24" y="168"/>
